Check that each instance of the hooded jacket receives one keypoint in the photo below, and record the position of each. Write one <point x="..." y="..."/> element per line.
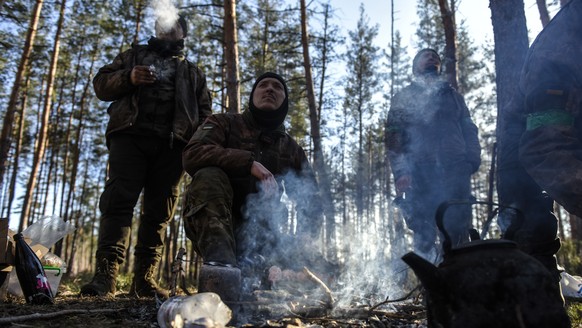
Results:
<point x="192" y="98"/>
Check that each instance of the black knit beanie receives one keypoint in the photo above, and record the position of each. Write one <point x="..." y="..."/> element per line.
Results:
<point x="269" y="120"/>
<point x="417" y="57"/>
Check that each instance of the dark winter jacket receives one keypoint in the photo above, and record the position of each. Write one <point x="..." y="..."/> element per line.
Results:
<point x="549" y="104"/>
<point x="192" y="99"/>
<point x="431" y="125"/>
<point x="233" y="141"/>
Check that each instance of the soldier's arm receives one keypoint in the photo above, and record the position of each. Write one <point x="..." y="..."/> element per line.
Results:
<point x="395" y="139"/>
<point x="470" y="134"/>
<point x="551" y="149"/>
<point x="207" y="147"/>
<point x="113" y="81"/>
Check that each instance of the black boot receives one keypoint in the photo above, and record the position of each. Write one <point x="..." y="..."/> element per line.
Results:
<point x="104" y="281"/>
<point x="144" y="279"/>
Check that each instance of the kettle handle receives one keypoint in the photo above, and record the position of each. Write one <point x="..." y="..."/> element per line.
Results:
<point x="440" y="213"/>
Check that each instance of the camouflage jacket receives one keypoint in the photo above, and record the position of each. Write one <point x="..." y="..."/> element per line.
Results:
<point x="550" y="90"/>
<point x="233" y="141"/>
<point x="192" y="98"/>
<point x="431" y="125"/>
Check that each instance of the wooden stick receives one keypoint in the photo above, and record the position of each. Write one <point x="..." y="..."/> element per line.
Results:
<point x="36" y="316"/>
<point x="312" y="276"/>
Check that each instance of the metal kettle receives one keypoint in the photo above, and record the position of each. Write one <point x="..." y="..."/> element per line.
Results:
<point x="487" y="283"/>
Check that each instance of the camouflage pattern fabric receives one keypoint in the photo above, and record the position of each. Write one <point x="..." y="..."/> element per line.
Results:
<point x="219" y="158"/>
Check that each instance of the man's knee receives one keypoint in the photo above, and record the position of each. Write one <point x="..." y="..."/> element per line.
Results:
<point x="209" y="182"/>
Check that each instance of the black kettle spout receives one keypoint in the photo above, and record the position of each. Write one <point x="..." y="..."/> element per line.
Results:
<point x="426" y="272"/>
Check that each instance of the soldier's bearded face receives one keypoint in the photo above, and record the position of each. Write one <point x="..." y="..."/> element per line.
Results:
<point x="269" y="94"/>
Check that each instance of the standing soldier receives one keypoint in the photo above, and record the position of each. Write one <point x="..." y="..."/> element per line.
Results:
<point x="433" y="148"/>
<point x="159" y="98"/>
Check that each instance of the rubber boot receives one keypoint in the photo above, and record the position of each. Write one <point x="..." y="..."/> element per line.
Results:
<point x="144" y="279"/>
<point x="104" y="281"/>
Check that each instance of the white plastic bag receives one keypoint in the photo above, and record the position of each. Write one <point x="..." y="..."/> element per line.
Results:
<point x="44" y="233"/>
<point x="571" y="286"/>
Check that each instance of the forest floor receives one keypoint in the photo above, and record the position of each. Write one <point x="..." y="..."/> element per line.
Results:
<point x="73" y="311"/>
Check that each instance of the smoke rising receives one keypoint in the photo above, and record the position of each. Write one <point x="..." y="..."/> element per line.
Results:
<point x="165" y="13"/>
<point x="361" y="267"/>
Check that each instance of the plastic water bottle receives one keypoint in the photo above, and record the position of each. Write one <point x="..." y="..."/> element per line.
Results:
<point x="198" y="310"/>
<point x="31" y="276"/>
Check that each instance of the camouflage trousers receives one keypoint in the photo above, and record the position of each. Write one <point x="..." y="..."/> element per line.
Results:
<point x="229" y="223"/>
<point x="208" y="217"/>
<point x="138" y="163"/>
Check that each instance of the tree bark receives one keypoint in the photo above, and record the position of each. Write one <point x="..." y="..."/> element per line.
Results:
<point x="16" y="159"/>
<point x="450" y="60"/>
<point x="138" y="19"/>
<point x="315" y="128"/>
<point x="543" y="9"/>
<point x="43" y="133"/>
<point x="231" y="57"/>
<point x="6" y="134"/>
<point x="511" y="45"/>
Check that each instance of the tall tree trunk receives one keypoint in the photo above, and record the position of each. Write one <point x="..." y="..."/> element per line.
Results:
<point x="231" y="57"/>
<point x="450" y="60"/>
<point x="511" y="45"/>
<point x="6" y="134"/>
<point x="543" y="9"/>
<point x="17" y="149"/>
<point x="138" y="18"/>
<point x="65" y="175"/>
<point x="43" y="133"/>
<point x="76" y="151"/>
<point x="314" y="119"/>
<point x="323" y="171"/>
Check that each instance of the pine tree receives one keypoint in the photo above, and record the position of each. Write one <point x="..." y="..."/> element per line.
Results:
<point x="362" y="82"/>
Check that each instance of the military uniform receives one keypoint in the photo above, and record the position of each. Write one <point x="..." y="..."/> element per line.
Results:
<point x="432" y="138"/>
<point x="219" y="158"/>
<point x="540" y="149"/>
<point x="148" y="127"/>
<point x="551" y="83"/>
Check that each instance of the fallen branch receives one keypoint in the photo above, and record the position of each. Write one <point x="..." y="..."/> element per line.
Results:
<point x="312" y="276"/>
<point x="36" y="316"/>
<point x="396" y="300"/>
